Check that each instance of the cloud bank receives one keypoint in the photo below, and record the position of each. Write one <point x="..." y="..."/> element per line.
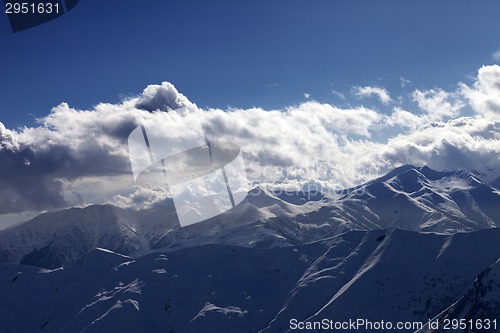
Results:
<point x="77" y="157"/>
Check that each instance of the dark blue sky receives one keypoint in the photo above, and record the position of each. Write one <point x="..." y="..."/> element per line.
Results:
<point x="240" y="53"/>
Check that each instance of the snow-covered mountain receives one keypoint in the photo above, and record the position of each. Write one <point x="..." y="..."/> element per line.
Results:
<point x="374" y="275"/>
<point x="478" y="307"/>
<point x="496" y="183"/>
<point x="54" y="239"/>
<point x="413" y="198"/>
<point x="410" y="198"/>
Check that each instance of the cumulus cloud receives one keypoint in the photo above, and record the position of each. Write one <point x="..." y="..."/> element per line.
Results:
<point x="381" y="93"/>
<point x="39" y="162"/>
<point x="437" y="103"/>
<point x="484" y="94"/>
<point x="35" y="160"/>
<point x="164" y="97"/>
<point x="403" y="118"/>
<point x="51" y="165"/>
<point x="81" y="156"/>
<point x="141" y="198"/>
<point x="434" y="105"/>
<point x="464" y="143"/>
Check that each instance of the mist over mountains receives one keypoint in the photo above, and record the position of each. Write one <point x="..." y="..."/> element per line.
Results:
<point x="408" y="198"/>
<point x="413" y="245"/>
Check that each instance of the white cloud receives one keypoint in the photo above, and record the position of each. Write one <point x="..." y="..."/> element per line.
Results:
<point x="463" y="143"/>
<point x="307" y="95"/>
<point x="81" y="156"/>
<point x="380" y="93"/>
<point x="403" y="118"/>
<point x="338" y="94"/>
<point x="140" y="198"/>
<point x="437" y="103"/>
<point x="162" y="97"/>
<point x="484" y="95"/>
<point x="496" y="54"/>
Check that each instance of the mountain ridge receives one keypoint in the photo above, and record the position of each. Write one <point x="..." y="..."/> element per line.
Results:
<point x="217" y="287"/>
<point x="409" y="198"/>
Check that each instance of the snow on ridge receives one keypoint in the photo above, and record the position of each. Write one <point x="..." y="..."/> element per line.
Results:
<point x="409" y="197"/>
<point x="228" y="288"/>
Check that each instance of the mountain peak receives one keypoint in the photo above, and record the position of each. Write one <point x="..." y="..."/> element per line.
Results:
<point x="409" y="197"/>
<point x="399" y="170"/>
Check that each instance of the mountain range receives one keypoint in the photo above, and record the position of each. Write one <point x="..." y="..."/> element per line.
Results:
<point x="412" y="246"/>
<point x="395" y="276"/>
<point x="408" y="198"/>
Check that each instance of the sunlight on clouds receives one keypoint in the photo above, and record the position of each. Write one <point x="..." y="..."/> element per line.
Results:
<point x="484" y="95"/>
<point x="438" y="104"/>
<point x="435" y="105"/>
<point x="79" y="157"/>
